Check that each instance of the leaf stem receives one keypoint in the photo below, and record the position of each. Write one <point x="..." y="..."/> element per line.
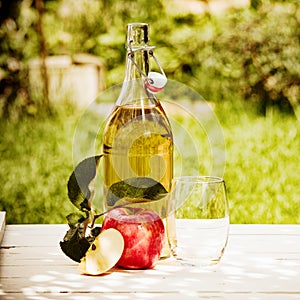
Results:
<point x="96" y="216"/>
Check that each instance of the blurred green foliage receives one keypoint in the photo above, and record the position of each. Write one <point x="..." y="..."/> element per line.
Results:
<point x="14" y="52"/>
<point x="250" y="53"/>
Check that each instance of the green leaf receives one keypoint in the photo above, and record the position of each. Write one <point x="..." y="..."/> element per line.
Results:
<point x="80" y="190"/>
<point x="75" y="243"/>
<point x="75" y="218"/>
<point x="135" y="187"/>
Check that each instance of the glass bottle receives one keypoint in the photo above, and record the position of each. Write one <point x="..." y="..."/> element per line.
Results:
<point x="137" y="139"/>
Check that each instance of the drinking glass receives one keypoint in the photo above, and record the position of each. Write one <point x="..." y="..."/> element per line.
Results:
<point x="201" y="241"/>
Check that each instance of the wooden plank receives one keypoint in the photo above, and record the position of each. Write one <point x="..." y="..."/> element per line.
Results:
<point x="249" y="229"/>
<point x="270" y="244"/>
<point x="36" y="229"/>
<point x="264" y="229"/>
<point x="248" y="237"/>
<point x="2" y="225"/>
<point x="34" y="257"/>
<point x="28" y="294"/>
<point x="252" y="274"/>
<point x="40" y="256"/>
<point x="235" y="229"/>
<point x="33" y="235"/>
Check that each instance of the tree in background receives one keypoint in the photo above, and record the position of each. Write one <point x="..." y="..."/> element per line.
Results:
<point x="21" y="36"/>
<point x="12" y="75"/>
<point x="250" y="53"/>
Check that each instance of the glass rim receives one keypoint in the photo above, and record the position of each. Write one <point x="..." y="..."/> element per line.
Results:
<point x="199" y="179"/>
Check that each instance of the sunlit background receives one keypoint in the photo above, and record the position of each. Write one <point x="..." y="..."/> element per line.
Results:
<point x="56" y="56"/>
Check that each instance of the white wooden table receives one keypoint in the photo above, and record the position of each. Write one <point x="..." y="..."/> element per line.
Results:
<point x="260" y="262"/>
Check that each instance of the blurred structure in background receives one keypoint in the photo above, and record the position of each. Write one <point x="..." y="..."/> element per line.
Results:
<point x="77" y="79"/>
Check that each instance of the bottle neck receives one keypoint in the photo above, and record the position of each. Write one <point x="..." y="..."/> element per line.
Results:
<point x="137" y="65"/>
<point x="134" y="92"/>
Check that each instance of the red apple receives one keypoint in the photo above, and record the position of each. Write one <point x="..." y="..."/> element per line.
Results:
<point x="143" y="233"/>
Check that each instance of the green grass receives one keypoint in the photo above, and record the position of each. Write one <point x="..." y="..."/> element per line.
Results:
<point x="262" y="166"/>
<point x="36" y="159"/>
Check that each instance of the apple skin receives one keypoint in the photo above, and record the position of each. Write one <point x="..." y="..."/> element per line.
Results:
<point x="143" y="233"/>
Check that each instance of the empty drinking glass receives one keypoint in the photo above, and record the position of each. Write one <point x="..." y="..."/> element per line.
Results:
<point x="200" y="241"/>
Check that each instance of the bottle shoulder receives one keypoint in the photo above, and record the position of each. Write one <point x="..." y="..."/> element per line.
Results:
<point x="129" y="122"/>
<point x="123" y="114"/>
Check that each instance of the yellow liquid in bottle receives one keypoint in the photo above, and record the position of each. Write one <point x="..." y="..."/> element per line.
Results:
<point x="137" y="142"/>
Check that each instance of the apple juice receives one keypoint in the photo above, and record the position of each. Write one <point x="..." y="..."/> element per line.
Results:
<point x="138" y="142"/>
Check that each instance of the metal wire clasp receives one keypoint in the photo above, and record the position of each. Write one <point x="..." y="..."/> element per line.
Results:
<point x="154" y="81"/>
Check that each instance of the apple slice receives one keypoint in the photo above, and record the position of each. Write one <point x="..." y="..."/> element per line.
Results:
<point x="103" y="254"/>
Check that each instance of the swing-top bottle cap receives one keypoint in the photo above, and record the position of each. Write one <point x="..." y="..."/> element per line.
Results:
<point x="137" y="35"/>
